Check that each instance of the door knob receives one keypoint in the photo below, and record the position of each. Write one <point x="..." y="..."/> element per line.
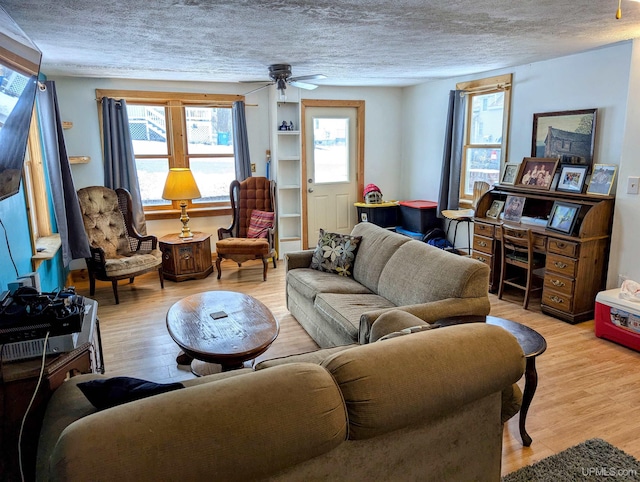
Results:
<point x="309" y="180"/>
<point x="310" y="189"/>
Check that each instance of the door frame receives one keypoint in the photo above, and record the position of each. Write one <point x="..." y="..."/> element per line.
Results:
<point x="359" y="106"/>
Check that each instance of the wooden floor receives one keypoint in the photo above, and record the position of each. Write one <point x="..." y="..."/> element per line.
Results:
<point x="587" y="387"/>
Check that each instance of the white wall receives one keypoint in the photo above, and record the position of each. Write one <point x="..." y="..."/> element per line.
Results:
<point x="76" y="97"/>
<point x="623" y="259"/>
<point x="595" y="79"/>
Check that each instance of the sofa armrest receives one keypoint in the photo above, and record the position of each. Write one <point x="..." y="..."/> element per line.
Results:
<point x="298" y="259"/>
<point x="393" y="321"/>
<point x="428" y="312"/>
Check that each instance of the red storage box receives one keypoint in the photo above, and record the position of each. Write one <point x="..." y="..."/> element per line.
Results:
<point x="419" y="216"/>
<point x="617" y="319"/>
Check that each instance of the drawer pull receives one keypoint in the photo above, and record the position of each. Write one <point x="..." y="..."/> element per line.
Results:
<point x="186" y="257"/>
<point x="482" y="243"/>
<point x="480" y="258"/>
<point x="560" y="265"/>
<point x="557" y="282"/>
<point x="556" y="299"/>
<point x="561" y="245"/>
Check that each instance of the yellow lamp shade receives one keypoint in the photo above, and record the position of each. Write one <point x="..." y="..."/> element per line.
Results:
<point x="180" y="185"/>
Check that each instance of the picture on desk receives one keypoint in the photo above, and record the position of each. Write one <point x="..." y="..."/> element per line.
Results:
<point x="495" y="209"/>
<point x="572" y="178"/>
<point x="537" y="172"/>
<point x="602" y="179"/>
<point x="563" y="217"/>
<point x="513" y="208"/>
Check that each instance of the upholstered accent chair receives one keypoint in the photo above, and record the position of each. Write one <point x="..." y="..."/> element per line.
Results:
<point x="249" y="236"/>
<point x="118" y="251"/>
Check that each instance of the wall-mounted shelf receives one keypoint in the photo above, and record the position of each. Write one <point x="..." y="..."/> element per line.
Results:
<point x="79" y="159"/>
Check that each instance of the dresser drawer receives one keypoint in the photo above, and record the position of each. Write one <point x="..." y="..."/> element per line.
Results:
<point x="482" y="244"/>
<point x="559" y="301"/>
<point x="561" y="265"/>
<point x="482" y="229"/>
<point x="561" y="246"/>
<point x="539" y="243"/>
<point x="483" y="257"/>
<point x="558" y="283"/>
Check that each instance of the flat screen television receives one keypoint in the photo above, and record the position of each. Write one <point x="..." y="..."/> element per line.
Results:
<point x="19" y="69"/>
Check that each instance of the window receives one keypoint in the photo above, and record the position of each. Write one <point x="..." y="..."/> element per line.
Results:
<point x="486" y="128"/>
<point x="181" y="130"/>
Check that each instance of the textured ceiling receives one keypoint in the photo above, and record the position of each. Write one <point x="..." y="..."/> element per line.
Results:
<point x="353" y="42"/>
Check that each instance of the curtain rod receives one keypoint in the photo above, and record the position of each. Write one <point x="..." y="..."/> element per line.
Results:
<point x="216" y="104"/>
<point x="486" y="88"/>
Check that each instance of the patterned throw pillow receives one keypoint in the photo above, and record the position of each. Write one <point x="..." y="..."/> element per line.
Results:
<point x="259" y="224"/>
<point x="335" y="253"/>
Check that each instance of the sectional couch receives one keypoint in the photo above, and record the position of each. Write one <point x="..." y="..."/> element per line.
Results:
<point x="390" y="271"/>
<point x="426" y="406"/>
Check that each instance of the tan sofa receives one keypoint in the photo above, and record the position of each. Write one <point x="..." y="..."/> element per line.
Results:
<point x="391" y="271"/>
<point x="420" y="407"/>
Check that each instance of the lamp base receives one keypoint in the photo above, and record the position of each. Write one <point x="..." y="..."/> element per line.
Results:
<point x="184" y="218"/>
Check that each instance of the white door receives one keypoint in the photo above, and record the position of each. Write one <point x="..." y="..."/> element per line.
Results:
<point x="331" y="181"/>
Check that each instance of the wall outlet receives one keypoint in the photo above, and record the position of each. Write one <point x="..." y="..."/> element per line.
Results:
<point x="633" y="183"/>
<point x="253" y="167"/>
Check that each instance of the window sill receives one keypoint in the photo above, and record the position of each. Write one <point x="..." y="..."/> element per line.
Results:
<point x="46" y="248"/>
<point x="192" y="212"/>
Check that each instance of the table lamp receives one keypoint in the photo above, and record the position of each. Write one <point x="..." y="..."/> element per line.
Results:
<point x="181" y="186"/>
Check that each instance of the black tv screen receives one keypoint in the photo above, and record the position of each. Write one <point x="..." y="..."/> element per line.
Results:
<point x="19" y="69"/>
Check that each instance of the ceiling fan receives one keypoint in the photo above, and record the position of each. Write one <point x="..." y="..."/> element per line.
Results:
<point x="280" y="75"/>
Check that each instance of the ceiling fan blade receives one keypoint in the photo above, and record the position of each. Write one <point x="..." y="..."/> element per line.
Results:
<point x="302" y="85"/>
<point x="308" y="77"/>
<point x="259" y="88"/>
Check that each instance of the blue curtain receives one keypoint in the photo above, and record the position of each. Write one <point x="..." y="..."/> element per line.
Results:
<point x="119" y="163"/>
<point x="75" y="244"/>
<point x="240" y="142"/>
<point x="449" y="197"/>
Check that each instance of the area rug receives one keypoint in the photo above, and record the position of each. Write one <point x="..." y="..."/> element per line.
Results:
<point x="592" y="460"/>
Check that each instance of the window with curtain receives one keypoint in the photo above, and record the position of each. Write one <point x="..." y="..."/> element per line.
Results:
<point x="486" y="131"/>
<point x="181" y="130"/>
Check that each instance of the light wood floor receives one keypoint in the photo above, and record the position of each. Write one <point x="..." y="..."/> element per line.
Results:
<point x="587" y="387"/>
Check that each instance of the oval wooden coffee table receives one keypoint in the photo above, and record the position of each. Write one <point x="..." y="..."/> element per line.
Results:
<point x="222" y="327"/>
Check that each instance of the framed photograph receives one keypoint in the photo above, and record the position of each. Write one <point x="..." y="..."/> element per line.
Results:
<point x="602" y="177"/>
<point x="572" y="178"/>
<point x="568" y="136"/>
<point x="495" y="209"/>
<point x="513" y="208"/>
<point x="510" y="174"/>
<point x="537" y="172"/>
<point x="563" y="217"/>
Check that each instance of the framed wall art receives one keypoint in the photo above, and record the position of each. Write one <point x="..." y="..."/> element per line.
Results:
<point x="602" y="177"/>
<point x="568" y="136"/>
<point x="513" y="208"/>
<point x="537" y="172"/>
<point x="563" y="217"/>
<point x="510" y="174"/>
<point x="572" y="178"/>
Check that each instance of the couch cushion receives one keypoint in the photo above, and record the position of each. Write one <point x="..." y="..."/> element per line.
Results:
<point x="309" y="282"/>
<point x="407" y="331"/>
<point x="375" y="249"/>
<point x="317" y="357"/>
<point x="438" y="276"/>
<point x="342" y="312"/>
<point x="335" y="253"/>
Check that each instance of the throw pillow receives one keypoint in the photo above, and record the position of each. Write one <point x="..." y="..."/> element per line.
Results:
<point x="109" y="392"/>
<point x="335" y="253"/>
<point x="407" y="331"/>
<point x="260" y="223"/>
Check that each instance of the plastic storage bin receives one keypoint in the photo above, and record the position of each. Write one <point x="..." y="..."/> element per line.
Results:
<point x="384" y="214"/>
<point x="617" y="319"/>
<point x="419" y="216"/>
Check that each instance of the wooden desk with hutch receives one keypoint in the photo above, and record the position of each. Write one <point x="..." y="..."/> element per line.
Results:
<point x="576" y="265"/>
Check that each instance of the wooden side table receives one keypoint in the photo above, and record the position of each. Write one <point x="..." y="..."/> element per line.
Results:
<point x="18" y="380"/>
<point x="184" y="259"/>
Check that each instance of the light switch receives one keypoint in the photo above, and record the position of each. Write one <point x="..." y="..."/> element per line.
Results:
<point x="633" y="183"/>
